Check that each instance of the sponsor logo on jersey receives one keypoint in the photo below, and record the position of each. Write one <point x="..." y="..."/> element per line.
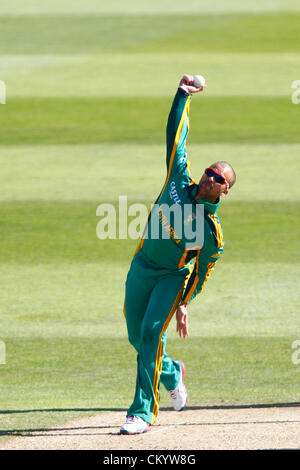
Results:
<point x="174" y="194"/>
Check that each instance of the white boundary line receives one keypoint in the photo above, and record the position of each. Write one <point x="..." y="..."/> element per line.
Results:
<point x="152" y="431"/>
<point x="165" y="428"/>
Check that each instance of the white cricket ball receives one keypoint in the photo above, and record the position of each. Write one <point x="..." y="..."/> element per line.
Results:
<point x="199" y="81"/>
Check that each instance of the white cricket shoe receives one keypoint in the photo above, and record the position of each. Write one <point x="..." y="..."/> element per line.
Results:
<point x="179" y="394"/>
<point x="134" y="425"/>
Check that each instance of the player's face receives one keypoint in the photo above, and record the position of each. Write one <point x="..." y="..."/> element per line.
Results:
<point x="214" y="181"/>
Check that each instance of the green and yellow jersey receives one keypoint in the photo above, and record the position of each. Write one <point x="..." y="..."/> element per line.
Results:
<point x="167" y="241"/>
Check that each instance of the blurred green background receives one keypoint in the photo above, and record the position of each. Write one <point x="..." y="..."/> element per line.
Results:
<point x="89" y="87"/>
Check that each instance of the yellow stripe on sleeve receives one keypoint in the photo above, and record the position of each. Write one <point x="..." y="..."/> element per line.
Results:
<point x="218" y="230"/>
<point x="194" y="285"/>
<point x="185" y="113"/>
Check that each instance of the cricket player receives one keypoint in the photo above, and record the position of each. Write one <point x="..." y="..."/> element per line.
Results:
<point x="177" y="252"/>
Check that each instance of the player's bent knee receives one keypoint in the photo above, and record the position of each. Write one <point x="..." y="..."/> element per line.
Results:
<point x="150" y="334"/>
<point x="134" y="341"/>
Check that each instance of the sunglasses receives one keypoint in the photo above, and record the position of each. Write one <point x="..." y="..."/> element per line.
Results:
<point x="217" y="176"/>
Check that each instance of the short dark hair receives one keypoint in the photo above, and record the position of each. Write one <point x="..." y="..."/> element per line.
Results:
<point x="227" y="165"/>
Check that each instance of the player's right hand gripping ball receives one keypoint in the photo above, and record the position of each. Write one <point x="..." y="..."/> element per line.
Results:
<point x="199" y="81"/>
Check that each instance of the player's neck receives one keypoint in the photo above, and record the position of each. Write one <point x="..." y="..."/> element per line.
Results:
<point x="206" y="198"/>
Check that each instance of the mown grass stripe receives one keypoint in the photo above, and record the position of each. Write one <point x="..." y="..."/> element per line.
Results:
<point x="56" y="232"/>
<point x="69" y="33"/>
<point x="143" y="120"/>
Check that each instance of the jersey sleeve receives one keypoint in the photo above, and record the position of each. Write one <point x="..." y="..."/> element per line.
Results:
<point x="203" y="267"/>
<point x="177" y="132"/>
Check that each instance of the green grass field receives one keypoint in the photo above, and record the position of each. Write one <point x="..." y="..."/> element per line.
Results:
<point x="89" y="88"/>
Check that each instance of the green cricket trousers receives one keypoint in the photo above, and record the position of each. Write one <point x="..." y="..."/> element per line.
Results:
<point x="152" y="295"/>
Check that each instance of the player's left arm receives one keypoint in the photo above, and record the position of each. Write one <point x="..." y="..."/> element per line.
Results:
<point x="203" y="267"/>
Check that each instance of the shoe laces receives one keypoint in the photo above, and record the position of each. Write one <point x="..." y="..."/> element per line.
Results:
<point x="131" y="419"/>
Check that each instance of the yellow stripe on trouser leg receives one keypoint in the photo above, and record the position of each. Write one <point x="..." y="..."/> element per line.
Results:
<point x="160" y="355"/>
<point x="151" y="298"/>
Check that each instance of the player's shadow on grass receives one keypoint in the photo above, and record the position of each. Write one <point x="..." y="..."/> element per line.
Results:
<point x="38" y="432"/>
<point x="57" y="410"/>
